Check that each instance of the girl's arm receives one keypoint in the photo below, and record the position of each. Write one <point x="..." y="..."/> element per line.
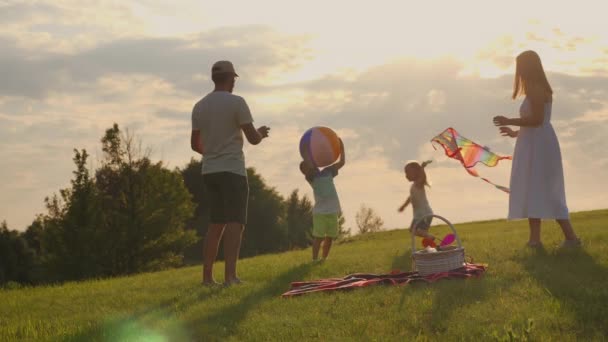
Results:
<point x="407" y="202"/>
<point x="310" y="164"/>
<point x="342" y="156"/>
<point x="537" y="104"/>
<point x="337" y="166"/>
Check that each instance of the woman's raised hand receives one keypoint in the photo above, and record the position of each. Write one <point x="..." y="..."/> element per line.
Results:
<point x="507" y="132"/>
<point x="501" y="121"/>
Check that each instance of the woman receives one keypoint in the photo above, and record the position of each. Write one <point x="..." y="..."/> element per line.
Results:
<point x="537" y="176"/>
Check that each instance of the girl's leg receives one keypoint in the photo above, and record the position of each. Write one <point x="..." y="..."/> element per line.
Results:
<point x="567" y="229"/>
<point x="534" y="231"/>
<point x="316" y="244"/>
<point x="424" y="234"/>
<point x="327" y="247"/>
<point x="423" y="229"/>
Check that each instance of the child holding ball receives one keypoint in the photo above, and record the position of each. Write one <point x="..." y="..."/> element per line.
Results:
<point x="327" y="205"/>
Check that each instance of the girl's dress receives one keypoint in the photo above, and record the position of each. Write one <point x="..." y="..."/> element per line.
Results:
<point x="537" y="176"/>
<point x="421" y="207"/>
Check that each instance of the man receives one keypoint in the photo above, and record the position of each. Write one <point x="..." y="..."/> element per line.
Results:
<point x="217" y="122"/>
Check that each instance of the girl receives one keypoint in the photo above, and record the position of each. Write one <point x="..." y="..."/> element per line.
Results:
<point x="415" y="173"/>
<point x="537" y="177"/>
<point x="327" y="205"/>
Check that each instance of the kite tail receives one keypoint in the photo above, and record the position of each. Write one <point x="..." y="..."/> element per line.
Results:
<point x="474" y="173"/>
<point x="499" y="187"/>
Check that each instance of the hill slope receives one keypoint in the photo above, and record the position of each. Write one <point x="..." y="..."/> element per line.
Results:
<point x="557" y="295"/>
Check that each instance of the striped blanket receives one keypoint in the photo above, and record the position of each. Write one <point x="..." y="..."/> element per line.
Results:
<point x="357" y="280"/>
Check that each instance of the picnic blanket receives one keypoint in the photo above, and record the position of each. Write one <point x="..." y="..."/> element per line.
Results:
<point x="357" y="280"/>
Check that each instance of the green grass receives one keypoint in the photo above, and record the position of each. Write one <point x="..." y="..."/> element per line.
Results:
<point x="555" y="295"/>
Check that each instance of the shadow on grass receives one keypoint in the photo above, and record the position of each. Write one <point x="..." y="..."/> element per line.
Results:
<point x="574" y="279"/>
<point x="142" y="324"/>
<point x="449" y="295"/>
<point x="402" y="262"/>
<point x="224" y="323"/>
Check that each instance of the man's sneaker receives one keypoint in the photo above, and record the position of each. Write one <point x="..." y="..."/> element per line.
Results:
<point x="571" y="243"/>
<point x="212" y="283"/>
<point x="535" y="245"/>
<point x="235" y="281"/>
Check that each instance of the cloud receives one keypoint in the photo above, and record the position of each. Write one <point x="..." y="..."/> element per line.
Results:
<point x="19" y="11"/>
<point x="534" y="37"/>
<point x="55" y="101"/>
<point x="66" y="27"/>
<point x="257" y="52"/>
<point x="389" y="119"/>
<point x="562" y="49"/>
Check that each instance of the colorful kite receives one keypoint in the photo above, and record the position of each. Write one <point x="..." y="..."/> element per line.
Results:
<point x="469" y="153"/>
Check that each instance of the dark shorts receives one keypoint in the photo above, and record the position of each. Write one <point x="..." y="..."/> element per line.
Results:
<point x="228" y="194"/>
<point x="425" y="224"/>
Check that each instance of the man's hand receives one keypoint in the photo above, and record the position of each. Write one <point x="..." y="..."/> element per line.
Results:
<point x="255" y="136"/>
<point x="264" y="130"/>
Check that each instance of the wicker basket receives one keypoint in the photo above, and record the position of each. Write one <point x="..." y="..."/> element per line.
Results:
<point x="446" y="259"/>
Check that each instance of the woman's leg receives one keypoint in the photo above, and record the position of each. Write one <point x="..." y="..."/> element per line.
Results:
<point x="567" y="229"/>
<point x="534" y="231"/>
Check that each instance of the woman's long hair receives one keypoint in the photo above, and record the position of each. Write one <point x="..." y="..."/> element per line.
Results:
<point x="529" y="70"/>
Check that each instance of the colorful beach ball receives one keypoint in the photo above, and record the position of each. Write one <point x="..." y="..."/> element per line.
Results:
<point x="321" y="144"/>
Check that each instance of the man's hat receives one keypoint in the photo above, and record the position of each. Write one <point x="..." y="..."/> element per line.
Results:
<point x="221" y="67"/>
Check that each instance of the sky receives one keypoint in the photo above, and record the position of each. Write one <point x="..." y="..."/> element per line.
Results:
<point x="386" y="75"/>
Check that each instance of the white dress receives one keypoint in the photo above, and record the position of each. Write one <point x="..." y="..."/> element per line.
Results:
<point x="537" y="176"/>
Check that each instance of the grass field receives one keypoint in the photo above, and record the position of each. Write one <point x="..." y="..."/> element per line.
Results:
<point x="525" y="294"/>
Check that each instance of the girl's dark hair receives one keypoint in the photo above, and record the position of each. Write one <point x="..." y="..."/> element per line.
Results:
<point x="420" y="168"/>
<point x="529" y="70"/>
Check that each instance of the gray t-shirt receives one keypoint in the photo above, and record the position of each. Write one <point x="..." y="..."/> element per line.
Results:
<point x="219" y="116"/>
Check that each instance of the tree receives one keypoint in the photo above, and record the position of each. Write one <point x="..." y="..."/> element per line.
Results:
<point x="367" y="220"/>
<point x="343" y="232"/>
<point x="16" y="258"/>
<point x="75" y="240"/>
<point x="146" y="207"/>
<point x="129" y="218"/>
<point x="34" y="237"/>
<point x="266" y="230"/>
<point x="199" y="222"/>
<point x="298" y="217"/>
<point x="34" y="234"/>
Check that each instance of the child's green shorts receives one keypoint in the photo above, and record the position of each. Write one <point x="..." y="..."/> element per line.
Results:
<point x="325" y="225"/>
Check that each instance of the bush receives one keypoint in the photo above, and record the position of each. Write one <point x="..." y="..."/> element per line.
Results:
<point x="368" y="221"/>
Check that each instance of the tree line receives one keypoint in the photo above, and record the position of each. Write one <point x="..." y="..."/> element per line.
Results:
<point x="133" y="215"/>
